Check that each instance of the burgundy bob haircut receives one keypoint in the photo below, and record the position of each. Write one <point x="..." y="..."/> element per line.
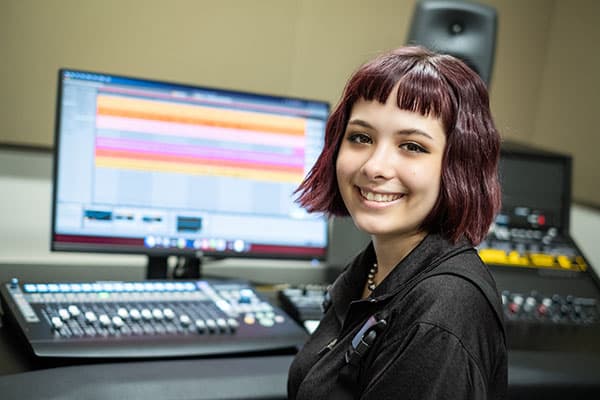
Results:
<point x="430" y="84"/>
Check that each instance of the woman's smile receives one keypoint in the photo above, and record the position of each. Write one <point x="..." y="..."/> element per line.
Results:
<point x="380" y="198"/>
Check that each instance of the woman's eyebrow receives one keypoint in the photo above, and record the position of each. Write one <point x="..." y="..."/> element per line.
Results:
<point x="412" y="131"/>
<point x="360" y="122"/>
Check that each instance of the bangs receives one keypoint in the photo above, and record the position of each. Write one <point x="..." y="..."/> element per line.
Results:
<point x="421" y="88"/>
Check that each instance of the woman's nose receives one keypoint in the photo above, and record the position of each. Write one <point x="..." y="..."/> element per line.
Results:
<point x="379" y="164"/>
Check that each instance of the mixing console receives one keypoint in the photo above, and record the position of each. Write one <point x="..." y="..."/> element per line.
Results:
<point x="147" y="319"/>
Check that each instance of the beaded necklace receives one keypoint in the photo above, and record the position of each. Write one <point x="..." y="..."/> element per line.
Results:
<point x="371" y="285"/>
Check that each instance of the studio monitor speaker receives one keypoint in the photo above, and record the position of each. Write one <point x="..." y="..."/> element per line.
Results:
<point x="463" y="29"/>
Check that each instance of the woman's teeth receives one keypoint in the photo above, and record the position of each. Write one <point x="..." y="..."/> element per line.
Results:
<point x="379" y="197"/>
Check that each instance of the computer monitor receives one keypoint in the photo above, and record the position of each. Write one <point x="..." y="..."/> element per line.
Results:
<point x="159" y="168"/>
<point x="536" y="189"/>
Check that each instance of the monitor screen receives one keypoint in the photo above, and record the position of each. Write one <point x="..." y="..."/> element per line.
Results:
<point x="151" y="167"/>
<point x="535" y="190"/>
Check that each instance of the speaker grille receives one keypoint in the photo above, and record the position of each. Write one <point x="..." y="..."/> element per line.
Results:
<point x="463" y="29"/>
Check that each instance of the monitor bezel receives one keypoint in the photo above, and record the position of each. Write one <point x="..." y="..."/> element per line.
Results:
<point x="527" y="152"/>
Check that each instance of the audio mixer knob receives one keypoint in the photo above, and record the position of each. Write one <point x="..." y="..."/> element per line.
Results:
<point x="211" y="324"/>
<point x="105" y="320"/>
<point x="185" y="320"/>
<point x="529" y="305"/>
<point x="117" y="322"/>
<point x="123" y="313"/>
<point x="565" y="309"/>
<point x="518" y="300"/>
<point x="57" y="323"/>
<point x="168" y="313"/>
<point x="233" y="324"/>
<point x="146" y="314"/>
<point x="200" y="326"/>
<point x="74" y="311"/>
<point x="90" y="317"/>
<point x="547" y="302"/>
<point x="222" y="324"/>
<point x="64" y="314"/>
<point x="135" y="314"/>
<point x="157" y="314"/>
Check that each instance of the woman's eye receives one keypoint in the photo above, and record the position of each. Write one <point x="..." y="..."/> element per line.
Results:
<point x="359" y="138"/>
<point x="413" y="147"/>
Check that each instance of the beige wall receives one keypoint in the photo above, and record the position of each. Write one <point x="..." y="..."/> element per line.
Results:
<point x="567" y="117"/>
<point x="304" y="48"/>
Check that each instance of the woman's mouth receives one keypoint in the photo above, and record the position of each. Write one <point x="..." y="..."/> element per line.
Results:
<point x="380" y="197"/>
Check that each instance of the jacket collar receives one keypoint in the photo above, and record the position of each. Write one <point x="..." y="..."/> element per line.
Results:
<point x="431" y="251"/>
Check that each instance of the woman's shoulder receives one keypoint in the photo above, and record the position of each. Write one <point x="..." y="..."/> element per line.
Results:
<point x="455" y="308"/>
<point x="452" y="293"/>
<point x="453" y="303"/>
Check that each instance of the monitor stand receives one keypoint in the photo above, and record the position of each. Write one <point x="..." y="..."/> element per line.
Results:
<point x="187" y="267"/>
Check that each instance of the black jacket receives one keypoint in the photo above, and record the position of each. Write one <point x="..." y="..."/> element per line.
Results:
<point x="443" y="336"/>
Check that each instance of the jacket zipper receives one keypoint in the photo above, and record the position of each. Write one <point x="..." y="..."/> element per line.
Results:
<point x="327" y="348"/>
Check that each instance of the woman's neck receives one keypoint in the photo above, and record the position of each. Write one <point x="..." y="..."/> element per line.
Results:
<point x="391" y="250"/>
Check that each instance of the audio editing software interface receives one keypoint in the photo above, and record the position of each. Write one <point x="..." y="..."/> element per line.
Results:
<point x="152" y="166"/>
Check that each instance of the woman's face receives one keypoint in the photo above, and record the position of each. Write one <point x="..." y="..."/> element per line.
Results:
<point x="389" y="167"/>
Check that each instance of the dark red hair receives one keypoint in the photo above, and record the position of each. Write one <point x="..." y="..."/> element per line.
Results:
<point x="430" y="84"/>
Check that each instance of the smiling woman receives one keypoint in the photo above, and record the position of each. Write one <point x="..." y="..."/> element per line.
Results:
<point x="411" y="154"/>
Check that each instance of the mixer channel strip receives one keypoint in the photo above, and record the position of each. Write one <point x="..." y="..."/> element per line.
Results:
<point x="148" y="319"/>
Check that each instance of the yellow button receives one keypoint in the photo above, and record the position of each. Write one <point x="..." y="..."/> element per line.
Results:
<point x="515" y="258"/>
<point x="581" y="262"/>
<point x="542" y="260"/>
<point x="564" y="262"/>
<point x="493" y="256"/>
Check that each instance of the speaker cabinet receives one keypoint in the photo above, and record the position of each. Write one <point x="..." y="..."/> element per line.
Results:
<point x="463" y="29"/>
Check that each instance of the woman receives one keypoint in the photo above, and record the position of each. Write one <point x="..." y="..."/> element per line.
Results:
<point x="411" y="154"/>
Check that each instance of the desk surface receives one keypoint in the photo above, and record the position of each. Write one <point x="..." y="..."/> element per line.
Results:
<point x="225" y="378"/>
<point x="550" y="375"/>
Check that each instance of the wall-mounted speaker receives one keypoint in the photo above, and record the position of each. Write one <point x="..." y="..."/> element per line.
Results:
<point x="463" y="29"/>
